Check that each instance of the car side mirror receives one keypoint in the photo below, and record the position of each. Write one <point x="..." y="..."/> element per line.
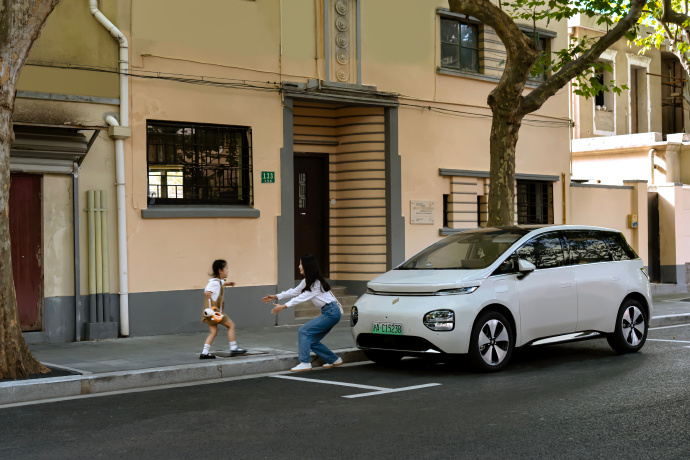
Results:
<point x="525" y="267"/>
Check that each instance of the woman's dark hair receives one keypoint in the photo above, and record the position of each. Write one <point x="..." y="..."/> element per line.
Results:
<point x="312" y="272"/>
<point x="217" y="266"/>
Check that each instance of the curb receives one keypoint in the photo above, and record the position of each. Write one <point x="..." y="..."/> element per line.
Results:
<point x="61" y="387"/>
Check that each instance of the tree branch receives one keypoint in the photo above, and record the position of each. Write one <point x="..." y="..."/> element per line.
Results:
<point x="521" y="51"/>
<point x="536" y="98"/>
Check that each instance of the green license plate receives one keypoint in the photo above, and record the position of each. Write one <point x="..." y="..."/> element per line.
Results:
<point x="386" y="328"/>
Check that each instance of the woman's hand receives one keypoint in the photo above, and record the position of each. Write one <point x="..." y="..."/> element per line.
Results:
<point x="278" y="308"/>
<point x="269" y="298"/>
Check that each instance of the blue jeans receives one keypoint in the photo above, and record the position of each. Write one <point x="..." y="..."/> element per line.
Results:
<point x="311" y="334"/>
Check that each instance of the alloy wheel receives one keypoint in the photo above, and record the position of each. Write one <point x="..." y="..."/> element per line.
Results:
<point x="493" y="342"/>
<point x="633" y="325"/>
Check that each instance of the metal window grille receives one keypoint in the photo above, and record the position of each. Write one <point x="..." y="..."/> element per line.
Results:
<point x="459" y="45"/>
<point x="191" y="163"/>
<point x="534" y="202"/>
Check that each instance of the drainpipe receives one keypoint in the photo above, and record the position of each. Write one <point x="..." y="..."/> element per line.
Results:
<point x="119" y="131"/>
<point x="652" y="165"/>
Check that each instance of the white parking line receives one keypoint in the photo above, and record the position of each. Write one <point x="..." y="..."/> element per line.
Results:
<point x="377" y="390"/>
<point x="666" y="327"/>
<point x="394" y="390"/>
<point x="328" y="382"/>
<point x="675" y="341"/>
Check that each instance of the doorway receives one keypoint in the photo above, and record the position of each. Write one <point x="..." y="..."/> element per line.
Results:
<point x="311" y="209"/>
<point x="653" y="243"/>
<point x="26" y="235"/>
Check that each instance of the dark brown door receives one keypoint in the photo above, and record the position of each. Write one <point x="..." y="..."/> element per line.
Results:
<point x="311" y="209"/>
<point x="27" y="255"/>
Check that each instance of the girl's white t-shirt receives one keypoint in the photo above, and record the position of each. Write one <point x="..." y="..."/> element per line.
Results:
<point x="214" y="285"/>
<point x="315" y="294"/>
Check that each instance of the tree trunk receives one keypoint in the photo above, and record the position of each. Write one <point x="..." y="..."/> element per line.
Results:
<point x="21" y="22"/>
<point x="503" y="139"/>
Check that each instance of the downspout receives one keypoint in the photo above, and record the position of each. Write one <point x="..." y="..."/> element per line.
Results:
<point x="77" y="263"/>
<point x="119" y="131"/>
<point x="652" y="165"/>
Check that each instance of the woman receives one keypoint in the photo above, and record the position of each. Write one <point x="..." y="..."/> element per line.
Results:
<point x="315" y="288"/>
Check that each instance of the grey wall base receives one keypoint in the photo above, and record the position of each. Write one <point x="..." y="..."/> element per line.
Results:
<point x="100" y="331"/>
<point x="59" y="321"/>
<point x="170" y="312"/>
<point x="673" y="274"/>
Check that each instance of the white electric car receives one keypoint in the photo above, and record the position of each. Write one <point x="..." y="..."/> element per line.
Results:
<point x="484" y="292"/>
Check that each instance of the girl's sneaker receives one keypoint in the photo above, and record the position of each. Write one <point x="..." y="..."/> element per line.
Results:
<point x="337" y="363"/>
<point x="301" y="367"/>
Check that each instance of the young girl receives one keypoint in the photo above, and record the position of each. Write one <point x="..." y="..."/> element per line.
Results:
<point x="315" y="288"/>
<point x="214" y="293"/>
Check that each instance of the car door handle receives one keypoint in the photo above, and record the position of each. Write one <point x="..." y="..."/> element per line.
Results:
<point x="565" y="285"/>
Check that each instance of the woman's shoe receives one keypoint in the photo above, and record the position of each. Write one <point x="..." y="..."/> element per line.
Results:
<point x="336" y="363"/>
<point x="301" y="367"/>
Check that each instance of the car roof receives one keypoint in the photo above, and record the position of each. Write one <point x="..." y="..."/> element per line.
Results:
<point x="543" y="228"/>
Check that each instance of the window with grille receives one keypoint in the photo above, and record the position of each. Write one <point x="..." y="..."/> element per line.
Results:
<point x="191" y="163"/>
<point x="459" y="45"/>
<point x="534" y="202"/>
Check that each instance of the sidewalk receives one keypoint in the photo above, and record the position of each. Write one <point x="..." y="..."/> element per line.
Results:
<point x="139" y="362"/>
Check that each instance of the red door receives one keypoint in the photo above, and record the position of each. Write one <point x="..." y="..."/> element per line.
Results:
<point x="27" y="254"/>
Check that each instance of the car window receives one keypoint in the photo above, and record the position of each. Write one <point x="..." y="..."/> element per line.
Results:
<point x="587" y="247"/>
<point x="544" y="251"/>
<point x="467" y="250"/>
<point x="620" y="249"/>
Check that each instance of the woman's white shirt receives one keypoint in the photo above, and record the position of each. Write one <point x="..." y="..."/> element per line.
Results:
<point x="214" y="285"/>
<point x="315" y="294"/>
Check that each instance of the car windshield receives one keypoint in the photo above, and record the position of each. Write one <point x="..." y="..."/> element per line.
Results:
<point x="471" y="250"/>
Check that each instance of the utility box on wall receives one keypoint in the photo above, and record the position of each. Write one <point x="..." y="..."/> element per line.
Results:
<point x="632" y="220"/>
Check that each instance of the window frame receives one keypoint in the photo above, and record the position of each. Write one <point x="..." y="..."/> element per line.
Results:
<point x="234" y="170"/>
<point x="467" y="21"/>
<point x="548" y="205"/>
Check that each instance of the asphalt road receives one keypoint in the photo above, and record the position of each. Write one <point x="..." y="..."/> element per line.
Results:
<point x="576" y="400"/>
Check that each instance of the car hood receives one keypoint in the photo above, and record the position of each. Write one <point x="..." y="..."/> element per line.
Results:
<point x="425" y="280"/>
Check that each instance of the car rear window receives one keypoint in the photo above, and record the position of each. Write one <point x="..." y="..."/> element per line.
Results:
<point x="587" y="247"/>
<point x="620" y="249"/>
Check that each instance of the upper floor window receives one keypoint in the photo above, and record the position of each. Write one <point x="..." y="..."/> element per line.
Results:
<point x="543" y="44"/>
<point x="459" y="44"/>
<point x="191" y="163"/>
<point x="534" y="202"/>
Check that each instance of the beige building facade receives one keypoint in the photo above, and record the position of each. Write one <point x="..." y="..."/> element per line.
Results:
<point x="622" y="142"/>
<point x="260" y="131"/>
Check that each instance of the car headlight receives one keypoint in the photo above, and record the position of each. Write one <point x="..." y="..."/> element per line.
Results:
<point x="440" y="320"/>
<point x="463" y="290"/>
<point x="644" y="272"/>
<point x="354" y="316"/>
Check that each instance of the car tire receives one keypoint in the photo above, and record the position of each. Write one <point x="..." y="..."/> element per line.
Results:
<point x="491" y="343"/>
<point x="631" y="328"/>
<point x="385" y="358"/>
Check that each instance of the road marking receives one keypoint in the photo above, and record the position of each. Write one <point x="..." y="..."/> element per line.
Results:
<point x="663" y="340"/>
<point x="377" y="390"/>
<point x="329" y="382"/>
<point x="394" y="390"/>
<point x="666" y="327"/>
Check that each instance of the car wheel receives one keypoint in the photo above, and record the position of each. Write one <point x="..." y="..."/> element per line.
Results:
<point x="492" y="341"/>
<point x="386" y="358"/>
<point x="631" y="328"/>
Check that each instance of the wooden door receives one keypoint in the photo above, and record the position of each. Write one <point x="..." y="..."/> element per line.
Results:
<point x="311" y="209"/>
<point x="27" y="252"/>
